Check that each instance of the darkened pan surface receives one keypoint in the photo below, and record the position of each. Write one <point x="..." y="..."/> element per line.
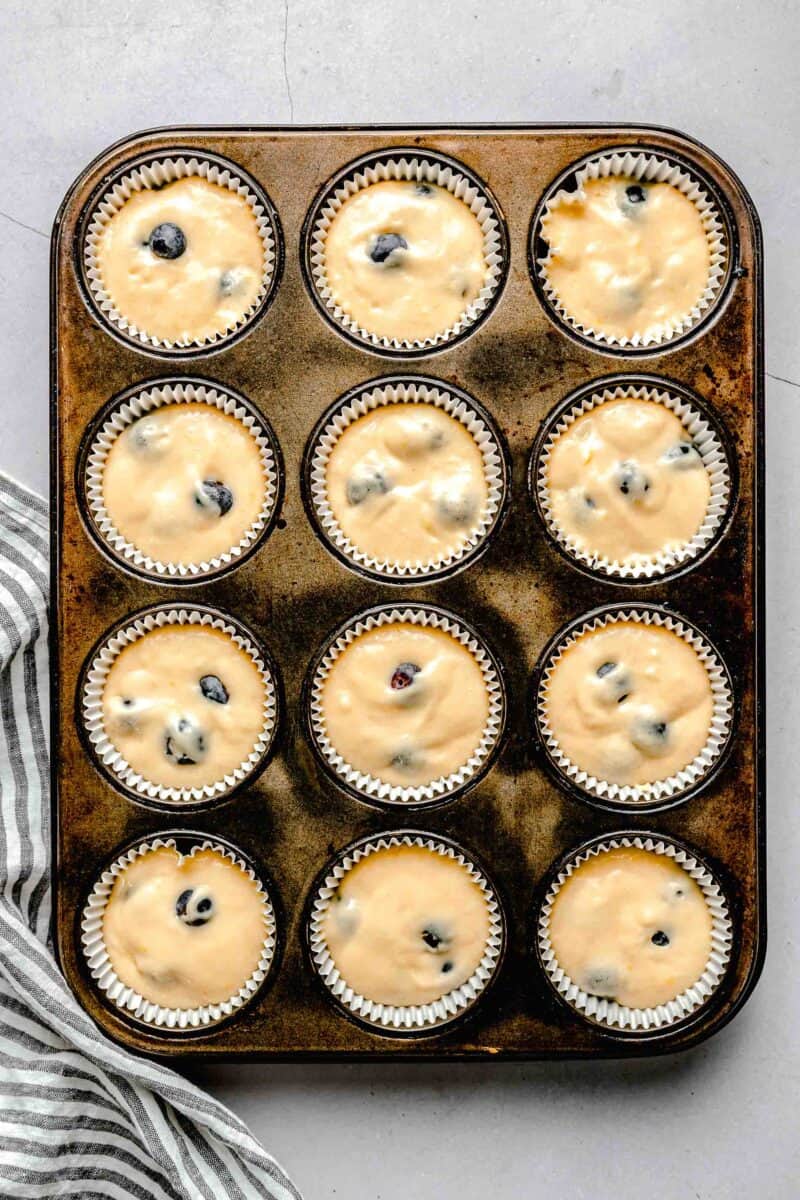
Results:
<point x="292" y="592"/>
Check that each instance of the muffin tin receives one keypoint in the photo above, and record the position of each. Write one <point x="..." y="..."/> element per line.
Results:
<point x="519" y="362"/>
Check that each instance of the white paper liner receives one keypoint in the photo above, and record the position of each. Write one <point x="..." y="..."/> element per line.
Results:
<point x="155" y="173"/>
<point x="407" y="392"/>
<point x="706" y="441"/>
<point x="391" y="1017"/>
<point x="425" y="168"/>
<point x="654" y="169"/>
<point x="127" y="998"/>
<point x="124" y="415"/>
<point x="107" y="753"/>
<point x="446" y="786"/>
<point x="661" y="789"/>
<point x="608" y="1012"/>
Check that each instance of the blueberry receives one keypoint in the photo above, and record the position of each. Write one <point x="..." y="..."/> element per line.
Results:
<point x="403" y="676"/>
<point x="682" y="455"/>
<point x="194" y="906"/>
<point x="184" y="742"/>
<point x="384" y="246"/>
<point x="432" y="938"/>
<point x="167" y="240"/>
<point x="650" y="735"/>
<point x="214" y="496"/>
<point x="423" y="189"/>
<point x="149" y="437"/>
<point x="616" y="685"/>
<point x="373" y="483"/>
<point x="635" y="193"/>
<point x="447" y="967"/>
<point x="601" y="981"/>
<point x="405" y="759"/>
<point x="606" y="668"/>
<point x="631" y="480"/>
<point x="456" y="506"/>
<point x="659" y="938"/>
<point x="214" y="689"/>
<point x="589" y="502"/>
<point x="229" y="281"/>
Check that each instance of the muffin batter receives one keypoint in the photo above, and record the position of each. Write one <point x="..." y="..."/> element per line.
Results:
<point x="629" y="703"/>
<point x="183" y="262"/>
<point x="406" y="925"/>
<point x="631" y="925"/>
<point x="626" y="483"/>
<point x="405" y="704"/>
<point x="184" y="931"/>
<point x="406" y="484"/>
<point x="626" y="256"/>
<point x="184" y="705"/>
<point x="404" y="260"/>
<point x="184" y="483"/>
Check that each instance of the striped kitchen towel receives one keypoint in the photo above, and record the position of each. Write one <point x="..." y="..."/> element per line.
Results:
<point x="79" y="1117"/>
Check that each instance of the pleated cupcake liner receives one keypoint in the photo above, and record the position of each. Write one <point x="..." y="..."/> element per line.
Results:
<point x="126" y="998"/>
<point x="621" y="1018"/>
<point x="392" y="1018"/>
<point x="111" y="759"/>
<point x="398" y="392"/>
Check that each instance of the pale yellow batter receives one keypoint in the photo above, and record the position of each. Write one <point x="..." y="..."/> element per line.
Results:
<point x="184" y="705"/>
<point x="184" y="931"/>
<point x="626" y="483"/>
<point x="182" y="294"/>
<point x="164" y="477"/>
<point x="633" y="926"/>
<point x="406" y="484"/>
<point x="405" y="260"/>
<point x="627" y="256"/>
<point x="406" y="925"/>
<point x="405" y="704"/>
<point x="629" y="703"/>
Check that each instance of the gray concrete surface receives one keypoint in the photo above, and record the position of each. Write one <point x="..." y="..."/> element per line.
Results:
<point x="721" y="1122"/>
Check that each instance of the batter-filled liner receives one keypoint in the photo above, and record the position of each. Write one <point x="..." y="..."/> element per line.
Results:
<point x="109" y="757"/>
<point x="129" y="1001"/>
<point x="417" y="167"/>
<point x="366" y="786"/>
<point x="147" y="400"/>
<point x="369" y="398"/>
<point x="607" y="1012"/>
<point x="706" y="440"/>
<point x="389" y="1018"/>
<point x="155" y="173"/>
<point x="652" y="168"/>
<point x="660" y="791"/>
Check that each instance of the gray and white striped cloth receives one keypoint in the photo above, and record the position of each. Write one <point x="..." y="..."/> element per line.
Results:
<point x="79" y="1117"/>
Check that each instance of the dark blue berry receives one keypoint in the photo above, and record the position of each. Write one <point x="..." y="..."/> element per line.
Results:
<point x="659" y="938"/>
<point x="358" y="489"/>
<point x="167" y="240"/>
<point x="214" y="689"/>
<point x="635" y="193"/>
<point x="423" y="189"/>
<point x="385" y="245"/>
<point x="682" y="454"/>
<point x="605" y="669"/>
<point x="194" y="908"/>
<point x="447" y="967"/>
<point x="184" y="742"/>
<point x="215" y="496"/>
<point x="650" y="736"/>
<point x="403" y="676"/>
<point x="631" y="480"/>
<point x="432" y="938"/>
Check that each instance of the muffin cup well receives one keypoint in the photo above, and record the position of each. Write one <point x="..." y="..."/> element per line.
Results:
<point x="154" y="171"/>
<point x="417" y="165"/>
<point x="653" y="166"/>
<point x="125" y="998"/>
<point x="366" y="787"/>
<point x="405" y="390"/>
<point x="661" y="793"/>
<point x="404" y="1019"/>
<point x="123" y="411"/>
<point x="90" y="704"/>
<point x="707" y="439"/>
<point x="607" y="1013"/>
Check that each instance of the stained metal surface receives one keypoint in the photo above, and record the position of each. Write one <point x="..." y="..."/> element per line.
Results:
<point x="292" y="592"/>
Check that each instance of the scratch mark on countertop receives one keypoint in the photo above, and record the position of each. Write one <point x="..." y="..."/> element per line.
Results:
<point x="285" y="67"/>
<point x="7" y="217"/>
<point x="783" y="379"/>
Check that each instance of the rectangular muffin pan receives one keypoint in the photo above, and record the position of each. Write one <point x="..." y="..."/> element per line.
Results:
<point x="292" y="592"/>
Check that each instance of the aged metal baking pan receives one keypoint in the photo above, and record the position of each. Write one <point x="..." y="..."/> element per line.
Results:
<point x="292" y="592"/>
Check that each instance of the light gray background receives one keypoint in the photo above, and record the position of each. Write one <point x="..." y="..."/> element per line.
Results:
<point x="721" y="1121"/>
